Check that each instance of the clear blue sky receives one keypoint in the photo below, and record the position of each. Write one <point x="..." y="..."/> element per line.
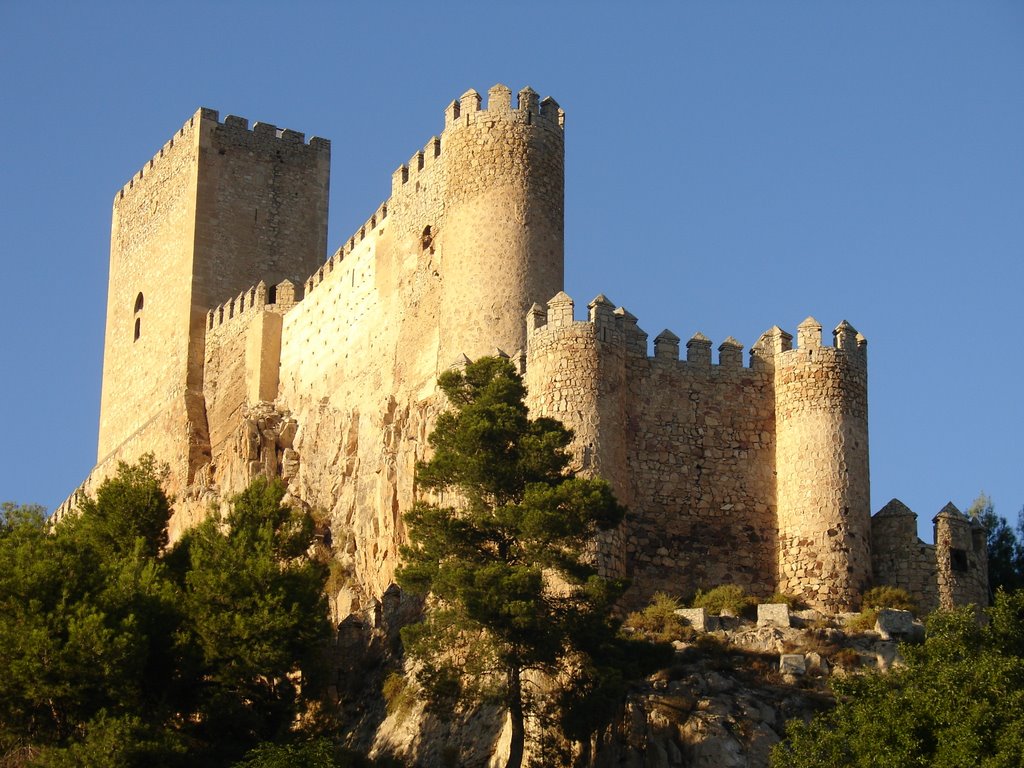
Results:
<point x="730" y="166"/>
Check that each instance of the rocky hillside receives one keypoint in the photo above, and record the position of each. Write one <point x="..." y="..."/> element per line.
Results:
<point x="723" y="702"/>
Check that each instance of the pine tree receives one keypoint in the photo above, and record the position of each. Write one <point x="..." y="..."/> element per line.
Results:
<point x="502" y="559"/>
<point x="118" y="651"/>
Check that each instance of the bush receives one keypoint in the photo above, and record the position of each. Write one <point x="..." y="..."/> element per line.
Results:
<point x="658" y="621"/>
<point x="888" y="597"/>
<point x="727" y="597"/>
<point x="957" y="701"/>
<point x="863" y="621"/>
<point x="399" y="696"/>
<point x="847" y="658"/>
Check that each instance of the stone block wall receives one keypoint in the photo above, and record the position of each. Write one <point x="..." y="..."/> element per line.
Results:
<point x="952" y="571"/>
<point x="960" y="558"/>
<point x="448" y="265"/>
<point x="241" y="363"/>
<point x="900" y="559"/>
<point x="687" y="445"/>
<point x="147" y="344"/>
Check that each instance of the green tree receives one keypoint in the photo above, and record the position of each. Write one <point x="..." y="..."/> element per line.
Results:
<point x="959" y="701"/>
<point x="116" y="651"/>
<point x="1005" y="549"/>
<point x="255" y="618"/>
<point x="501" y="558"/>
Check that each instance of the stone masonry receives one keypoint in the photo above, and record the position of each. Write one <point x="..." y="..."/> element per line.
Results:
<point x="233" y="348"/>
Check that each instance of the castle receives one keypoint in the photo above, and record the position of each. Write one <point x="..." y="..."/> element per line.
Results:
<point x="234" y="349"/>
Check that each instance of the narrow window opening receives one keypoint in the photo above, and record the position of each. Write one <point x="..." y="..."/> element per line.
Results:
<point x="958" y="559"/>
<point x="272" y="295"/>
<point x="427" y="240"/>
<point x="139" y="304"/>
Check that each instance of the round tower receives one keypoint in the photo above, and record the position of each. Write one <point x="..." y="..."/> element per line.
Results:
<point x="500" y="232"/>
<point x="822" y="486"/>
<point x="576" y="373"/>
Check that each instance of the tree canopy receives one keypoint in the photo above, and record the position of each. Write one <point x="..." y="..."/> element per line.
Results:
<point x="959" y="701"/>
<point x="116" y="650"/>
<point x="502" y="558"/>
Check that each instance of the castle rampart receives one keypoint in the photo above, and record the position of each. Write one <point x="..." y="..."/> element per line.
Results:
<point x="689" y="445"/>
<point x="952" y="571"/>
<point x="234" y="348"/>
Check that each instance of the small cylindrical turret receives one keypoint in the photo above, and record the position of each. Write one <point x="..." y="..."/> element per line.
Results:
<point x="823" y="495"/>
<point x="962" y="574"/>
<point x="576" y="373"/>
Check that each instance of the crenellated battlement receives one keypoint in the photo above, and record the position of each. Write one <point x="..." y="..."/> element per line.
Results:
<point x="809" y="347"/>
<point x="616" y="325"/>
<point x="240" y="125"/>
<point x="420" y="163"/>
<point x="257" y="298"/>
<point x="236" y="127"/>
<point x="182" y="136"/>
<point x="468" y="108"/>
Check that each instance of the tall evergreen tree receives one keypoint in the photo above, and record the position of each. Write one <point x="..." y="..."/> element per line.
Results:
<point x="502" y="557"/>
<point x="116" y="651"/>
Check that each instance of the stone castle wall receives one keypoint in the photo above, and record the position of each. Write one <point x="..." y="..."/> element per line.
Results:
<point x="960" y="559"/>
<point x="447" y="266"/>
<point x="147" y="344"/>
<point x="952" y="571"/>
<point x="687" y="445"/>
<point x="900" y="559"/>
<point x="256" y="356"/>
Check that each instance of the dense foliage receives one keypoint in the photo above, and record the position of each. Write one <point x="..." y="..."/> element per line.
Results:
<point x="502" y="561"/>
<point x="959" y="701"/>
<point x="117" y="651"/>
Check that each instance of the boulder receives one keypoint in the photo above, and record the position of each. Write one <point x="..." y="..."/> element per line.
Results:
<point x="773" y="615"/>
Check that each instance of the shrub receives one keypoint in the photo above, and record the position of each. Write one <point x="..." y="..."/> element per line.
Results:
<point x="399" y="696"/>
<point x="338" y="577"/>
<point x="888" y="597"/>
<point x="863" y="621"/>
<point x="727" y="597"/>
<point x="658" y="621"/>
<point x="847" y="658"/>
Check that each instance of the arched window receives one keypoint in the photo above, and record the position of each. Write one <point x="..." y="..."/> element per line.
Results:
<point x="139" y="303"/>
